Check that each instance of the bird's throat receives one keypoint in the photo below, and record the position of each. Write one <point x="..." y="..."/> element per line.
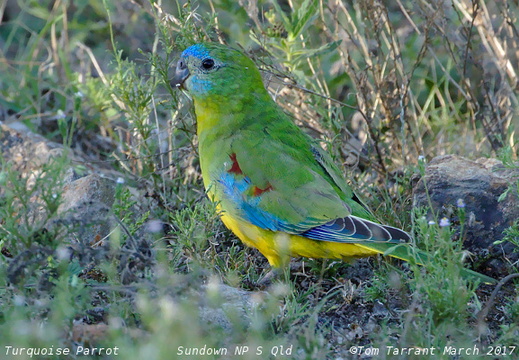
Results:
<point x="207" y="116"/>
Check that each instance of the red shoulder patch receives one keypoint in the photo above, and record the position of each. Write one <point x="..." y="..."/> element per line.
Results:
<point x="235" y="167"/>
<point x="256" y="191"/>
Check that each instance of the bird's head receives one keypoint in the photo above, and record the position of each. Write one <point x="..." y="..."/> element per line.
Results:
<point x="213" y="70"/>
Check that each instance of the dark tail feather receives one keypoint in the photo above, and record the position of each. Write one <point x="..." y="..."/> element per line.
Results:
<point x="398" y="234"/>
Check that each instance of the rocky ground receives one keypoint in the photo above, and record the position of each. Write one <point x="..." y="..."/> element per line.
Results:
<point x="87" y="195"/>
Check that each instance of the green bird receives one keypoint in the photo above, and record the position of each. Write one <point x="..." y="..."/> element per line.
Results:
<point x="274" y="187"/>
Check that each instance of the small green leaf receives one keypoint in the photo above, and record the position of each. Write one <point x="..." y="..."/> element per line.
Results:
<point x="303" y="17"/>
<point x="503" y="195"/>
<point x="305" y="53"/>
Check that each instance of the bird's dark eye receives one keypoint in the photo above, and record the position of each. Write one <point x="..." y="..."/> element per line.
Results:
<point x="208" y="64"/>
<point x="181" y="65"/>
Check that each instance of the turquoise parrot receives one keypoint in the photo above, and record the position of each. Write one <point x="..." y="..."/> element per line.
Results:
<point x="275" y="188"/>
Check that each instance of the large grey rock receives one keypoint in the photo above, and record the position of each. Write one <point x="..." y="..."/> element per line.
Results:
<point x="26" y="151"/>
<point x="478" y="185"/>
<point x="86" y="203"/>
<point x="228" y="307"/>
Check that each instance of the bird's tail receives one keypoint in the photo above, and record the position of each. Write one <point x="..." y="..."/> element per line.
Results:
<point x="417" y="256"/>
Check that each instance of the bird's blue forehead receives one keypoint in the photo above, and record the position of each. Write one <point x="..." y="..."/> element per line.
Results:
<point x="198" y="51"/>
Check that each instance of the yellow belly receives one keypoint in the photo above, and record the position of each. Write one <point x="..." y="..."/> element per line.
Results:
<point x="278" y="246"/>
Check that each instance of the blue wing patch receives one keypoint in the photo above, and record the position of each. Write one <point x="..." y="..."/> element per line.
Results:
<point x="236" y="189"/>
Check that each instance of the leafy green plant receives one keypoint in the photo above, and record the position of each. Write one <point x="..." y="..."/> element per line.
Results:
<point x="29" y="202"/>
<point x="287" y="44"/>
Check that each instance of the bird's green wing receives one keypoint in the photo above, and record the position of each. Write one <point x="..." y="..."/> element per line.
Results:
<point x="279" y="180"/>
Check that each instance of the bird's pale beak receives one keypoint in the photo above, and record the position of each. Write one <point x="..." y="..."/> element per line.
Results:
<point x="181" y="74"/>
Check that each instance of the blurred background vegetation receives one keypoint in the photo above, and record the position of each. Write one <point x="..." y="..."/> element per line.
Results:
<point x="384" y="86"/>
